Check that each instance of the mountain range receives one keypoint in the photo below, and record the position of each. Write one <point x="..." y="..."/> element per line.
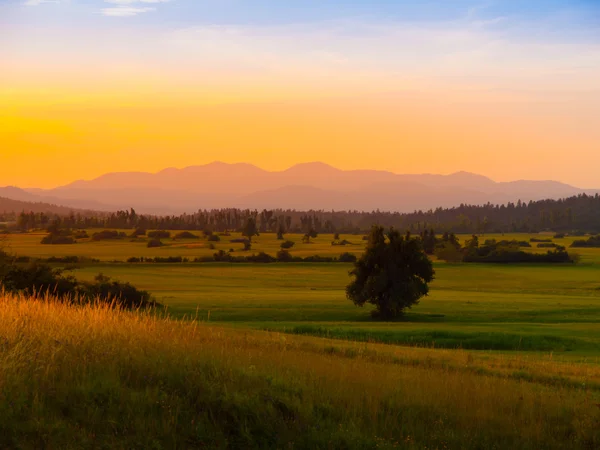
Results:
<point x="301" y="187"/>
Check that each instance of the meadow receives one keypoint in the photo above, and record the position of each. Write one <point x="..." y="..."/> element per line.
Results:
<point x="93" y="377"/>
<point x="28" y="244"/>
<point x="502" y="307"/>
<point x="275" y="356"/>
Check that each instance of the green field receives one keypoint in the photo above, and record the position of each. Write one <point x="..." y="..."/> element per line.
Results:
<point x="275" y="356"/>
<point x="546" y="308"/>
<point x="28" y="244"/>
<point x="532" y="308"/>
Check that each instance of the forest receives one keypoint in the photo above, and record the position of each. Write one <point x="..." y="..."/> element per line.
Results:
<point x="574" y="215"/>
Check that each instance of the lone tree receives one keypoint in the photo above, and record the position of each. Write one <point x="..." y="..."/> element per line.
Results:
<point x="392" y="274"/>
<point x="250" y="229"/>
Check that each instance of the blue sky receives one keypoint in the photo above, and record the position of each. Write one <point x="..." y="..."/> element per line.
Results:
<point x="262" y="12"/>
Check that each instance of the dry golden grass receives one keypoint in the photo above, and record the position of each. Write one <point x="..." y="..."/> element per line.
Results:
<point x="95" y="377"/>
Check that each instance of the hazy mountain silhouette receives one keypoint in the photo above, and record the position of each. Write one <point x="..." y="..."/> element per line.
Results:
<point x="11" y="205"/>
<point x="304" y="186"/>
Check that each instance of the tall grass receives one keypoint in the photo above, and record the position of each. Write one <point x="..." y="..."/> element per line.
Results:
<point x="95" y="377"/>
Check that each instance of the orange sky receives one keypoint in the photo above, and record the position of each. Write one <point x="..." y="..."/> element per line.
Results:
<point x="45" y="145"/>
<point x="78" y="101"/>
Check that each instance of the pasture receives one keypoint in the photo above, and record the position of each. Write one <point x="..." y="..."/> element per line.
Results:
<point x="275" y="356"/>
<point x="92" y="377"/>
<point x="28" y="244"/>
<point x="505" y="307"/>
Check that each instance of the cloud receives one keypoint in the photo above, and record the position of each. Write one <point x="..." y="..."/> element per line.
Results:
<point x="39" y="2"/>
<point x="125" y="11"/>
<point x="129" y="8"/>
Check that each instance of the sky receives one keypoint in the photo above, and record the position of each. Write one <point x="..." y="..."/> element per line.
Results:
<point x="508" y="89"/>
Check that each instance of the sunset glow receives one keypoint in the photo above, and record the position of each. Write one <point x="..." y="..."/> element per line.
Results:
<point x="495" y="88"/>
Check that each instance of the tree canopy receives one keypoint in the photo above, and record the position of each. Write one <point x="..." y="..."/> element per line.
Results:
<point x="392" y="274"/>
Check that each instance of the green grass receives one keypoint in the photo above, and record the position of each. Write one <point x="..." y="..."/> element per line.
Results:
<point x="120" y="250"/>
<point x="275" y="356"/>
<point x="502" y="307"/>
<point x="90" y="377"/>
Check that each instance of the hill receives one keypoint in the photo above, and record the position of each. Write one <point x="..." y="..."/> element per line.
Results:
<point x="8" y="205"/>
<point x="305" y="186"/>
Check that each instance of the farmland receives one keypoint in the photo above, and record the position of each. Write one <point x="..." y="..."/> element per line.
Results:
<point x="523" y="339"/>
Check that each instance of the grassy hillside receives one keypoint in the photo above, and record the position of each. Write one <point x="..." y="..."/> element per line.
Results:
<point x="96" y="378"/>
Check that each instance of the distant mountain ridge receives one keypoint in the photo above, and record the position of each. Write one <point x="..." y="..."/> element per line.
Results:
<point x="304" y="186"/>
<point x="8" y="205"/>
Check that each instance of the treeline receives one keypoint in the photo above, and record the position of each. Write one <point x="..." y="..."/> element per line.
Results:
<point x="448" y="248"/>
<point x="262" y="257"/>
<point x="573" y="215"/>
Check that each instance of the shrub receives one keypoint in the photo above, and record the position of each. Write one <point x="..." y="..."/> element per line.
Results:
<point x="214" y="238"/>
<point x="547" y="245"/>
<point x="262" y="257"/>
<point x="343" y="242"/>
<point x="159" y="234"/>
<point x="186" y="235"/>
<point x="286" y="245"/>
<point x="70" y="260"/>
<point x="212" y="246"/>
<point x="53" y="239"/>
<point x="126" y="295"/>
<point x="168" y="259"/>
<point x="107" y="235"/>
<point x="559" y="235"/>
<point x="318" y="259"/>
<point x="284" y="256"/>
<point x="80" y="234"/>
<point x="153" y="243"/>
<point x="239" y="241"/>
<point x="592" y="241"/>
<point x="347" y="257"/>
<point x="138" y="232"/>
<point x="539" y="240"/>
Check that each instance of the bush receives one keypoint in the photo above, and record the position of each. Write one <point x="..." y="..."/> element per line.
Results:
<point x="168" y="259"/>
<point x="547" y="245"/>
<point x="186" y="235"/>
<point x="539" y="240"/>
<point x="343" y="242"/>
<point x="69" y="260"/>
<point x="159" y="234"/>
<point x="593" y="241"/>
<point x="153" y="243"/>
<point x="286" y="244"/>
<point x="53" y="239"/>
<point x="214" y="238"/>
<point x="124" y="294"/>
<point x="347" y="257"/>
<point x="262" y="257"/>
<point x="284" y="256"/>
<point x="80" y="234"/>
<point x="138" y="232"/>
<point x="239" y="241"/>
<point x="105" y="235"/>
<point x="559" y="235"/>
